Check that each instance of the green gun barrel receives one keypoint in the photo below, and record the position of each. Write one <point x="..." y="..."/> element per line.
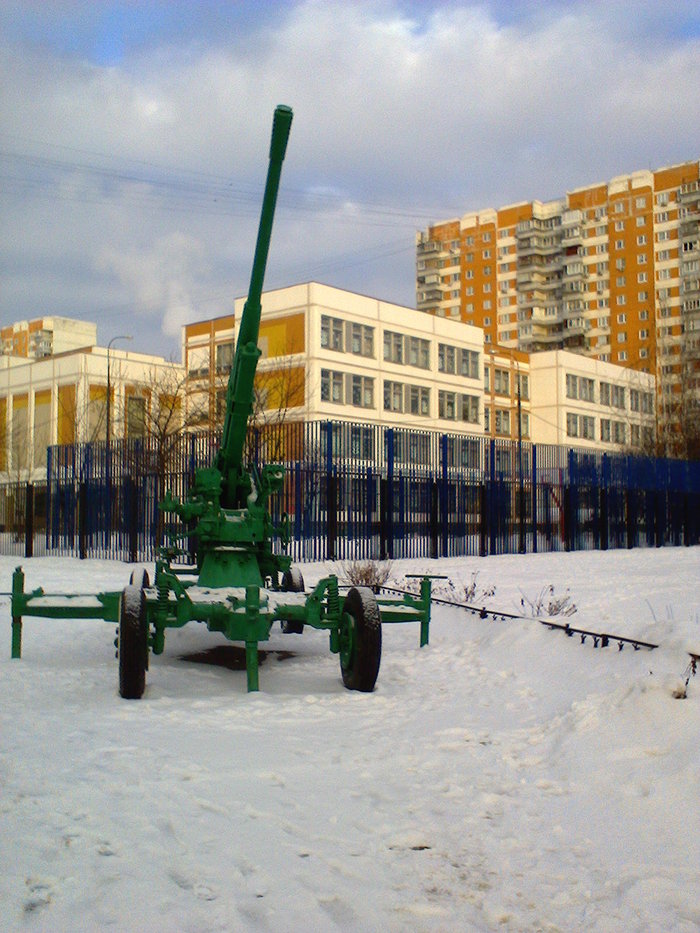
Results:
<point x="239" y="394"/>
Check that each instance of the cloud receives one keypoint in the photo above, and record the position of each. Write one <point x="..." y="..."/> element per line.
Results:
<point x="135" y="183"/>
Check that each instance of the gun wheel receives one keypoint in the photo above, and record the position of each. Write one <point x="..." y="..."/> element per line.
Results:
<point x="360" y="640"/>
<point x="292" y="582"/>
<point x="132" y="643"/>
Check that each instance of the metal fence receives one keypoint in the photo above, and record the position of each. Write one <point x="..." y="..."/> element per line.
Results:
<point x="358" y="491"/>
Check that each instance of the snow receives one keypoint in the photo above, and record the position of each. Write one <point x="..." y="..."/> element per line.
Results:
<point x="506" y="777"/>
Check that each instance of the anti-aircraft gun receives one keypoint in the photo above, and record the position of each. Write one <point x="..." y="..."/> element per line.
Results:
<point x="241" y="583"/>
<point x="229" y="502"/>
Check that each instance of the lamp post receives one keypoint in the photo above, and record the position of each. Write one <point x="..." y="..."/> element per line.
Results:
<point x="109" y="388"/>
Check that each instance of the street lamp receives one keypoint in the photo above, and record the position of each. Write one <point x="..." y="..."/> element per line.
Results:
<point x="109" y="404"/>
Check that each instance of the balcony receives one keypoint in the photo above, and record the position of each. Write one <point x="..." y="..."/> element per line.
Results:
<point x="549" y="317"/>
<point x="427" y="247"/>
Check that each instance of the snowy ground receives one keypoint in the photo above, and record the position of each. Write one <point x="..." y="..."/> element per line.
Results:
<point x="504" y="778"/>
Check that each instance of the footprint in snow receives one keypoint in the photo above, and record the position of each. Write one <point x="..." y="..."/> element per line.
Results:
<point x="39" y="895"/>
<point x="200" y="890"/>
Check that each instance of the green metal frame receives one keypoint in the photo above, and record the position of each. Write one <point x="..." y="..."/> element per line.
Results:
<point x="244" y="614"/>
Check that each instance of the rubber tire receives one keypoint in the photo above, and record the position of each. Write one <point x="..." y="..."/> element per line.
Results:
<point x="139" y="578"/>
<point x="132" y="643"/>
<point x="292" y="582"/>
<point x="361" y="669"/>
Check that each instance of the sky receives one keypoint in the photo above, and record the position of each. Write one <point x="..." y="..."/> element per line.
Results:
<point x="134" y="138"/>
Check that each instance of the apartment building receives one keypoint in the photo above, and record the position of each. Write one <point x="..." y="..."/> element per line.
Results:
<point x="63" y="399"/>
<point x="332" y="354"/>
<point x="610" y="271"/>
<point x="45" y="336"/>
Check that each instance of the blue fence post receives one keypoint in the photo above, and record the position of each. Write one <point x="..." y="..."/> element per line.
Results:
<point x="604" y="511"/>
<point x="492" y="497"/>
<point x="533" y="495"/>
<point x="331" y="496"/>
<point x="445" y="496"/>
<point x="386" y="500"/>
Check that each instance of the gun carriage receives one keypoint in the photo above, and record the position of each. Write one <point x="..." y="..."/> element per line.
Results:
<point x="243" y="580"/>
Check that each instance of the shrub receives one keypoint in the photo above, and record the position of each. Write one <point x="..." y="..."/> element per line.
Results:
<point x="370" y="573"/>
<point x="546" y="603"/>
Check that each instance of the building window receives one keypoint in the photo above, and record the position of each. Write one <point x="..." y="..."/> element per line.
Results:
<point x="522" y="385"/>
<point x="617" y="396"/>
<point x="331" y="386"/>
<point x="469" y="364"/>
<point x="447" y="405"/>
<point x="361" y="340"/>
<point x="605" y="393"/>
<point x="393" y="396"/>
<point x="502" y="422"/>
<point x="224" y="357"/>
<point x="470" y="408"/>
<point x="619" y="432"/>
<point x="362" y="391"/>
<point x="605" y="429"/>
<point x="447" y="358"/>
<point x="331" y="333"/>
<point x="419" y="352"/>
<point x="393" y="347"/>
<point x="135" y="416"/>
<point x="580" y="426"/>
<point x="418" y="400"/>
<point x="501" y="382"/>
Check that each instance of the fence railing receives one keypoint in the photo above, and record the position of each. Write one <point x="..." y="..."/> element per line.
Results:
<point x="356" y="491"/>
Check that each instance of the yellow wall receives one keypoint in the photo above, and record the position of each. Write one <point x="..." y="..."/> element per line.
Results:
<point x="284" y="388"/>
<point x="282" y="336"/>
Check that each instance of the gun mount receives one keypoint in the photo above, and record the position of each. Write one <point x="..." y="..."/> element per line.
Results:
<point x="240" y="585"/>
<point x="229" y="503"/>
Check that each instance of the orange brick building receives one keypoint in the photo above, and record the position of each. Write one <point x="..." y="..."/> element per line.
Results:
<point x="611" y="271"/>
